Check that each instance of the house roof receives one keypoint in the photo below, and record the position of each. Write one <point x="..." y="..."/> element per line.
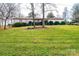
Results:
<point x="38" y="19"/>
<point x="56" y="19"/>
<point x="21" y="19"/>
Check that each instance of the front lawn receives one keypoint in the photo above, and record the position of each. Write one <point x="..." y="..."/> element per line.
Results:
<point x="54" y="40"/>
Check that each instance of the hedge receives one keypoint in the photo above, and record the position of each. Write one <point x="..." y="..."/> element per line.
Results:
<point x="19" y="24"/>
<point x="62" y="23"/>
<point x="56" y="23"/>
<point x="50" y="23"/>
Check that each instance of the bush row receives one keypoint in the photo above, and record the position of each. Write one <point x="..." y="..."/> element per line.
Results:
<point x="19" y="24"/>
<point x="54" y="23"/>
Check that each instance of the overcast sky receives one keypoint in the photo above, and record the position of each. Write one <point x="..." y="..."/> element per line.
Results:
<point x="60" y="8"/>
<point x="60" y="4"/>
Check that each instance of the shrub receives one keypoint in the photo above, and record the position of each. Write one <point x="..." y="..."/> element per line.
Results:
<point x="56" y="23"/>
<point x="46" y="22"/>
<point x="40" y="23"/>
<point x="50" y="23"/>
<point x="62" y="23"/>
<point x="19" y="24"/>
<point x="24" y="24"/>
<point x="37" y="23"/>
<point x="9" y="24"/>
<point x="30" y="23"/>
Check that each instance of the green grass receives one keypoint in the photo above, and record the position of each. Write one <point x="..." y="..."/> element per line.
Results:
<point x="55" y="40"/>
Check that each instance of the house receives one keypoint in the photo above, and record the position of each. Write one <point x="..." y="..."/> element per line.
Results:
<point x="37" y="19"/>
<point x="27" y="20"/>
<point x="56" y="19"/>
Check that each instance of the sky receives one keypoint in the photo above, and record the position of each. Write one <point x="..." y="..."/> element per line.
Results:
<point x="41" y="1"/>
<point x="60" y="4"/>
<point x="60" y="8"/>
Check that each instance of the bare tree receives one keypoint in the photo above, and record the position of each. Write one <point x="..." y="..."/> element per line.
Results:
<point x="7" y="10"/>
<point x="65" y="13"/>
<point x="44" y="10"/>
<point x="31" y="16"/>
<point x="50" y="15"/>
<point x="75" y="12"/>
<point x="32" y="6"/>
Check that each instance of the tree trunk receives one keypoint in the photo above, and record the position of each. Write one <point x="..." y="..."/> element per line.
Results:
<point x="11" y="21"/>
<point x="43" y="10"/>
<point x="34" y="23"/>
<point x="4" y="24"/>
<point x="32" y="6"/>
<point x="65" y="22"/>
<point x="0" y="23"/>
